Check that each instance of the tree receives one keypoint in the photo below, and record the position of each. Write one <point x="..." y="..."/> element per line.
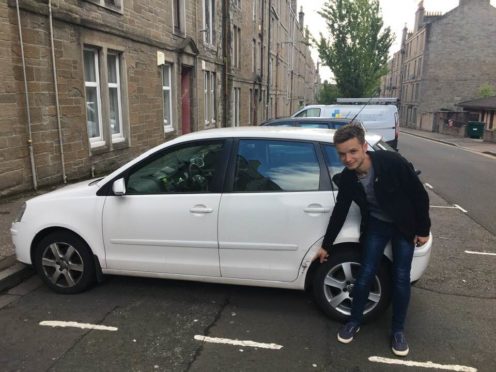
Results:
<point x="357" y="48"/>
<point x="486" y="90"/>
<point x="328" y="93"/>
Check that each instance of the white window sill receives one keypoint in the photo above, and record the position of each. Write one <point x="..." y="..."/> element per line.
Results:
<point x="96" y="144"/>
<point x="118" y="139"/>
<point x="169" y="129"/>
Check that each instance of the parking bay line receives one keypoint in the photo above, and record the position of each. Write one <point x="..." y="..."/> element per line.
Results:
<point x="227" y="341"/>
<point x="454" y="206"/>
<point x="57" y="323"/>
<point x="481" y="253"/>
<point x="411" y="363"/>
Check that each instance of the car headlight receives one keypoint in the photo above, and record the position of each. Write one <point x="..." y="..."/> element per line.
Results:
<point x="20" y="213"/>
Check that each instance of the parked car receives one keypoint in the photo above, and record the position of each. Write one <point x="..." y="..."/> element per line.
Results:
<point x="323" y="123"/>
<point x="378" y="115"/>
<point x="246" y="206"/>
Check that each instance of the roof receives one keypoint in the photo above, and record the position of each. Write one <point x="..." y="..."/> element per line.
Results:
<point x="487" y="103"/>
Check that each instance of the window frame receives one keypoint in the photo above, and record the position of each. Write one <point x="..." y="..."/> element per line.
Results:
<point x="119" y="8"/>
<point x="209" y="90"/>
<point x="116" y="137"/>
<point x="208" y="22"/>
<point x="94" y="141"/>
<point x="169" y="126"/>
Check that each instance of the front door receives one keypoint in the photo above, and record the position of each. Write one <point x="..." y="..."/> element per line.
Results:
<point x="186" y="77"/>
<point x="167" y="221"/>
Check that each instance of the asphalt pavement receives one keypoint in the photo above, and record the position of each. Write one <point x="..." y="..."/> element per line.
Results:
<point x="12" y="272"/>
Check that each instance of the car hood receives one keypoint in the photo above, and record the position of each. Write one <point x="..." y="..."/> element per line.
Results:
<point x="79" y="189"/>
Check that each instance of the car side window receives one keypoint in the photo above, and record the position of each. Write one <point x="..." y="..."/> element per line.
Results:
<point x="313" y="125"/>
<point x="309" y="113"/>
<point x="274" y="165"/>
<point x="334" y="165"/>
<point x="187" y="169"/>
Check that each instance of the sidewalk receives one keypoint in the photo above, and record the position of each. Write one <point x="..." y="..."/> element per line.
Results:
<point x="470" y="144"/>
<point x="12" y="272"/>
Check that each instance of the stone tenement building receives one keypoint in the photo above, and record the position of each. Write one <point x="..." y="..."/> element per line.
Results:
<point x="94" y="83"/>
<point x="445" y="60"/>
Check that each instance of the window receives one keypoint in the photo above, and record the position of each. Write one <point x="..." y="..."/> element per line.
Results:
<point x="334" y="164"/>
<point x="253" y="55"/>
<point x="111" y="4"/>
<point x="209" y="97"/>
<point x="236" y="46"/>
<point x="235" y="106"/>
<point x="114" y="88"/>
<point x="208" y="21"/>
<point x="177" y="11"/>
<point x="275" y="166"/>
<point x="309" y="113"/>
<point x="104" y="117"/>
<point x="187" y="169"/>
<point x="93" y="100"/>
<point x="167" y="97"/>
<point x="250" y="108"/>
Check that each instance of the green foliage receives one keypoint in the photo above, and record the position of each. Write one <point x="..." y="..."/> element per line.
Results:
<point x="486" y="90"/>
<point x="357" y="47"/>
<point x="328" y="93"/>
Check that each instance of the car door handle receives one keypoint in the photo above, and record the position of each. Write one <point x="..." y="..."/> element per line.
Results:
<point x="316" y="210"/>
<point x="201" y="209"/>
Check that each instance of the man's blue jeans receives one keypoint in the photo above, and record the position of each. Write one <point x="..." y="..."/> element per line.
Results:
<point x="377" y="235"/>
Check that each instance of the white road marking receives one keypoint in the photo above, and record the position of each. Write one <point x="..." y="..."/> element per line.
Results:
<point x="56" y="323"/>
<point x="429" y="186"/>
<point x="227" y="341"/>
<point x="454" y="206"/>
<point x="410" y="363"/>
<point x="460" y="208"/>
<point x="481" y="253"/>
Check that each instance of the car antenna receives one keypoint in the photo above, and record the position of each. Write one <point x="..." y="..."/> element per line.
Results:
<point x="358" y="113"/>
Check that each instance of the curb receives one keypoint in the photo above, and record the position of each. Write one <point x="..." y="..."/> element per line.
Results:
<point x="430" y="138"/>
<point x="12" y="273"/>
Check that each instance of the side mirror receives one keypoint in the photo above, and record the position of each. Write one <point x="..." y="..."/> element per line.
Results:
<point x="119" y="187"/>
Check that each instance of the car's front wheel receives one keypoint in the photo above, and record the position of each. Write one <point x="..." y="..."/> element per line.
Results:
<point x="333" y="283"/>
<point x="64" y="262"/>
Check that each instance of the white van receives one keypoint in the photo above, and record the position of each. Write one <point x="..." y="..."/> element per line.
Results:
<point x="378" y="115"/>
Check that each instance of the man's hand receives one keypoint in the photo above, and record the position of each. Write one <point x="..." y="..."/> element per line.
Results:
<point x="420" y="240"/>
<point x="321" y="255"/>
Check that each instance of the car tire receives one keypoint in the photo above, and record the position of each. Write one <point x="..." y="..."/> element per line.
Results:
<point x="333" y="282"/>
<point x="65" y="262"/>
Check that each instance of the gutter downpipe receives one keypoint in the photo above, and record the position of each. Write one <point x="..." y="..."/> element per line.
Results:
<point x="269" y="70"/>
<point x="30" y="139"/>
<point x="55" y="83"/>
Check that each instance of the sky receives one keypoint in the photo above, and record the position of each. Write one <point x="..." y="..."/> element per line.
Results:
<point x="395" y="14"/>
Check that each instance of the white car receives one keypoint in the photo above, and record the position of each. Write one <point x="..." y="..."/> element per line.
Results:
<point x="242" y="206"/>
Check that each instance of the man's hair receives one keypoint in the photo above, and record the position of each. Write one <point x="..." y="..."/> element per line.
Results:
<point x="349" y="131"/>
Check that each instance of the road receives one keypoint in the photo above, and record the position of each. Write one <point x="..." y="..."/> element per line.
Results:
<point x="459" y="176"/>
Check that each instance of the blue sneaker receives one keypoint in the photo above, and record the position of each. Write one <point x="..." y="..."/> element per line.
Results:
<point x="347" y="332"/>
<point x="399" y="344"/>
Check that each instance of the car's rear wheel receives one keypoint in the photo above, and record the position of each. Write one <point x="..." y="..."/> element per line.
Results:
<point x="64" y="262"/>
<point x="334" y="279"/>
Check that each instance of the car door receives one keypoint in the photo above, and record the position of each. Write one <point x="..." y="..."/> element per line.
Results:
<point x="276" y="208"/>
<point x="167" y="220"/>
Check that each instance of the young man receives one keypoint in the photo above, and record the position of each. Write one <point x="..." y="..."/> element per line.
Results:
<point x="394" y="207"/>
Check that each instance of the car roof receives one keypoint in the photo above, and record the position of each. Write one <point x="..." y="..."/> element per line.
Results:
<point x="310" y="134"/>
<point x="310" y="119"/>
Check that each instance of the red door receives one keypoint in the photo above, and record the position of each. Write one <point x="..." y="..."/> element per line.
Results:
<point x="186" y="99"/>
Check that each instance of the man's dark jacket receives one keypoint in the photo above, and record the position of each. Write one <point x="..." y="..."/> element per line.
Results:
<point x="398" y="191"/>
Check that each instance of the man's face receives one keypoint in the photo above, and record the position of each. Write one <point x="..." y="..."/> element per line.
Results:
<point x="352" y="153"/>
